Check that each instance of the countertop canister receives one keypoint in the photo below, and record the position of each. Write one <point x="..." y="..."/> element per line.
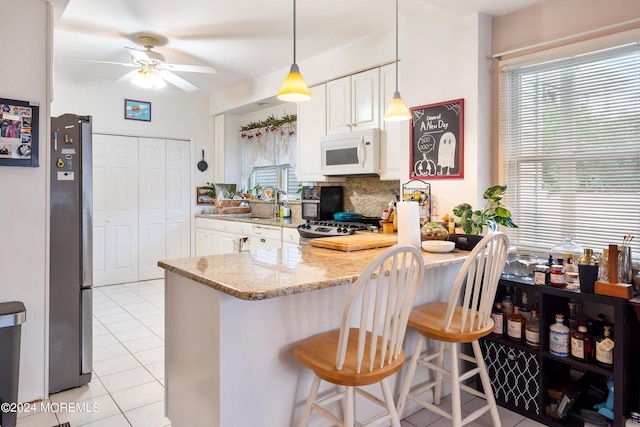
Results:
<point x="408" y="224"/>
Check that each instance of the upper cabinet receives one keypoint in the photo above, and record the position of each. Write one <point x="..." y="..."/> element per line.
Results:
<point x="226" y="144"/>
<point x="311" y="126"/>
<point x="353" y="102"/>
<point x="393" y="148"/>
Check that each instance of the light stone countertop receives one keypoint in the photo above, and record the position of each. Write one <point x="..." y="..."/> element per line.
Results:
<point x="278" y="222"/>
<point x="274" y="273"/>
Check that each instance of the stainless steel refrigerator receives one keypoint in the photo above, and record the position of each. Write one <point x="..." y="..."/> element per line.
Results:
<point x="71" y="253"/>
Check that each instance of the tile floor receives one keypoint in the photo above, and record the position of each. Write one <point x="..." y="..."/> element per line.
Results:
<point x="128" y="363"/>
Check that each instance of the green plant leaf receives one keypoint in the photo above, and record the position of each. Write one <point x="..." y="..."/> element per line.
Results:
<point x="495" y="193"/>
<point x="507" y="222"/>
<point x="461" y="208"/>
<point x="503" y="212"/>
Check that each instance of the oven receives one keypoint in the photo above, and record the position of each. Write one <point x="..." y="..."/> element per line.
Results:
<point x="319" y="203"/>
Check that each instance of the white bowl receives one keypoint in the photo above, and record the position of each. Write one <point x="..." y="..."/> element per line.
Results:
<point x="438" y="246"/>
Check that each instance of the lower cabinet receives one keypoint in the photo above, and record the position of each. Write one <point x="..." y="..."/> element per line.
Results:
<point x="563" y="391"/>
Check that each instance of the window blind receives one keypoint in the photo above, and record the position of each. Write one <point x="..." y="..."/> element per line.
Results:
<point x="570" y="149"/>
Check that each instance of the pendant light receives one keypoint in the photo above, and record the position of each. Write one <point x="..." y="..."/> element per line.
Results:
<point x="397" y="110"/>
<point x="148" y="78"/>
<point x="294" y="89"/>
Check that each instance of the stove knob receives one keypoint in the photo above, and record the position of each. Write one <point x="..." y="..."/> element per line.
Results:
<point x="339" y="230"/>
<point x="307" y="226"/>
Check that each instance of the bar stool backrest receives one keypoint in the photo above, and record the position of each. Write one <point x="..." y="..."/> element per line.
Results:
<point x="379" y="304"/>
<point x="477" y="283"/>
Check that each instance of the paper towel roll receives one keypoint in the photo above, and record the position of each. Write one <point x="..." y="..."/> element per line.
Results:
<point x="408" y="224"/>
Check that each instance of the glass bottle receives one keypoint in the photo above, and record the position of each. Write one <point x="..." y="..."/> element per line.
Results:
<point x="532" y="330"/>
<point x="515" y="325"/>
<point x="498" y="320"/>
<point x="604" y="348"/>
<point x="541" y="275"/>
<point x="582" y="345"/>
<point x="559" y="337"/>
<point x="525" y="309"/>
<point x="557" y="276"/>
<point x="572" y="321"/>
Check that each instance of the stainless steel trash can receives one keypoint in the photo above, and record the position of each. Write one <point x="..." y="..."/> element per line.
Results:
<point x="12" y="315"/>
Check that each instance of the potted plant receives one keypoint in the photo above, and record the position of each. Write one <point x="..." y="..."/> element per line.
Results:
<point x="494" y="212"/>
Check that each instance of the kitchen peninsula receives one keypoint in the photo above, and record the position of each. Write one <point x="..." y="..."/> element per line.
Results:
<point x="232" y="321"/>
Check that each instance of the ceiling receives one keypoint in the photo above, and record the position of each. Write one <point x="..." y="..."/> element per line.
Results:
<point x="242" y="39"/>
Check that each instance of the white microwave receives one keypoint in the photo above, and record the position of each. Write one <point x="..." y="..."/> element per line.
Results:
<point x="351" y="153"/>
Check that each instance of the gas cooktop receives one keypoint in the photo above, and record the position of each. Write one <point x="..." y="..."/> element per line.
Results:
<point x="314" y="229"/>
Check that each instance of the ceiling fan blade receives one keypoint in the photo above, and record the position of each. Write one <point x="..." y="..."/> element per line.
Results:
<point x="177" y="81"/>
<point x="189" y="68"/>
<point x="138" y="54"/>
<point x="126" y="64"/>
<point x="127" y="77"/>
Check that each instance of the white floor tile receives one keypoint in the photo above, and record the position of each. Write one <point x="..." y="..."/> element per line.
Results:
<point x="133" y="334"/>
<point x="151" y="320"/>
<point x="114" y="421"/>
<point x="99" y="329"/>
<point x="103" y="340"/>
<point x="147" y="357"/>
<point x="109" y="352"/>
<point x="114" y="318"/>
<point x="156" y="369"/>
<point x="137" y="307"/>
<point x="126" y="379"/>
<point x="124" y="326"/>
<point x="153" y="311"/>
<point x="148" y="416"/>
<point x="103" y="312"/>
<point x="116" y="364"/>
<point x="94" y="389"/>
<point x="91" y="410"/>
<point x="157" y="329"/>
<point x="145" y="343"/>
<point x="42" y="419"/>
<point x="128" y="300"/>
<point x="527" y="422"/>
<point x="141" y="395"/>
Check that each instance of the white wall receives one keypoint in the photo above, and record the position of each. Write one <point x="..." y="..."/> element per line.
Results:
<point x="444" y="57"/>
<point x="23" y="191"/>
<point x="174" y="113"/>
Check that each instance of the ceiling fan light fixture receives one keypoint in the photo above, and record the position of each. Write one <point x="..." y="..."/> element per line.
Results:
<point x="148" y="79"/>
<point x="294" y="88"/>
<point x="397" y="110"/>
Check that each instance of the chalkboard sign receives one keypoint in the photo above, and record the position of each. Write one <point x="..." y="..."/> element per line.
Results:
<point x="436" y="140"/>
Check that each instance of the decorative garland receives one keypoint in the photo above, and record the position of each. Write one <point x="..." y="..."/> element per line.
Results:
<point x="270" y="124"/>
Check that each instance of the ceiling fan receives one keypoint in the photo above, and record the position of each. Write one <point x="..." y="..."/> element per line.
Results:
<point x="152" y="70"/>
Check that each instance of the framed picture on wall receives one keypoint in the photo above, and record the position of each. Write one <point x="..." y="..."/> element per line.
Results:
<point x="137" y="110"/>
<point x="437" y="149"/>
<point x="18" y="133"/>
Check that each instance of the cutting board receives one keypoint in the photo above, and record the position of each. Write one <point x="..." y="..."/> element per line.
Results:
<point x="356" y="242"/>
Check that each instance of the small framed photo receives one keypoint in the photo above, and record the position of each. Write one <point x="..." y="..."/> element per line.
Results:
<point x="137" y="110"/>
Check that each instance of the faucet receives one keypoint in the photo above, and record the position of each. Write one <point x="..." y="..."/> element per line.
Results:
<point x="276" y="193"/>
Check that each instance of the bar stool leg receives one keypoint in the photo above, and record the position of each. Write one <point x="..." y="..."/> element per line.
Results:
<point x="313" y="393"/>
<point x="408" y="379"/>
<point x="388" y="399"/>
<point x="437" y="391"/>
<point x="486" y="384"/>
<point x="456" y="407"/>
<point x="349" y="408"/>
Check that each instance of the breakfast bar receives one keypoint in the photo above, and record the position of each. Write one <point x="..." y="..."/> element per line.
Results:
<point x="232" y="321"/>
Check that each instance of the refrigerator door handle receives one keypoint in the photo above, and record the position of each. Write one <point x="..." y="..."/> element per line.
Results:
<point x="86" y="346"/>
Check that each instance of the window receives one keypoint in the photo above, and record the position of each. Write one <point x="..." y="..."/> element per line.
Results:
<point x="282" y="177"/>
<point x="570" y="149"/>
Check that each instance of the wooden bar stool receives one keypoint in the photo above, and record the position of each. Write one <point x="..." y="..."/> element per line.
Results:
<point x="368" y="346"/>
<point x="464" y="319"/>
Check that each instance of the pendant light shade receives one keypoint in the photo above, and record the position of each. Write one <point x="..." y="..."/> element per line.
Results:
<point x="294" y="88"/>
<point x="397" y="110"/>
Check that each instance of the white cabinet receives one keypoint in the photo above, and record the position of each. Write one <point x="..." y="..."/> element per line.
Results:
<point x="216" y="237"/>
<point x="353" y="102"/>
<point x="311" y="125"/>
<point x="226" y="144"/>
<point x="393" y="145"/>
<point x="290" y="237"/>
<point x="265" y="237"/>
